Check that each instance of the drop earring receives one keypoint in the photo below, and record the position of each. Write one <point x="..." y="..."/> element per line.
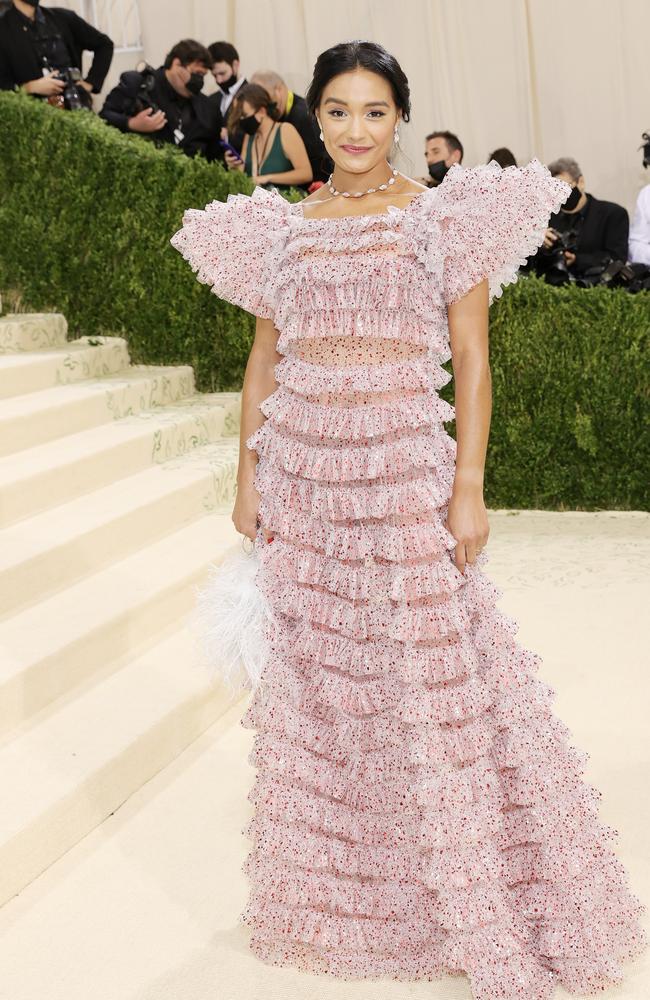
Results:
<point x="321" y="131"/>
<point x="396" y="135"/>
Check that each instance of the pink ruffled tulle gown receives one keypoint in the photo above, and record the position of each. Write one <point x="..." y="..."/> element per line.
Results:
<point x="419" y="809"/>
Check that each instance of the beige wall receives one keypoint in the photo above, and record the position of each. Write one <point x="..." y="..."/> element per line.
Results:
<point x="544" y="77"/>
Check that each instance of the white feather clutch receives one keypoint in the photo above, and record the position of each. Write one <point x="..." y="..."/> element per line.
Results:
<point x="229" y="617"/>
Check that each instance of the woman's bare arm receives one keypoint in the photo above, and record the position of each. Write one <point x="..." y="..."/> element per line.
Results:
<point x="259" y="382"/>
<point x="468" y="332"/>
<point x="295" y="150"/>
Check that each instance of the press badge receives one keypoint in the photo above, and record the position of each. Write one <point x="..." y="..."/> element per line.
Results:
<point x="178" y="135"/>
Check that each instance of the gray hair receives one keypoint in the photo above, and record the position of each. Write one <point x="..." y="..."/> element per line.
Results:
<point x="565" y="165"/>
<point x="268" y="78"/>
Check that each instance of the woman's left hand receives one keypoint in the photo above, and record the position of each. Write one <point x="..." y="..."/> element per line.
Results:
<point x="467" y="521"/>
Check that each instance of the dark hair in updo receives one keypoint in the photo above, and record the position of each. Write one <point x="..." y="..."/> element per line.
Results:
<point x="348" y="56"/>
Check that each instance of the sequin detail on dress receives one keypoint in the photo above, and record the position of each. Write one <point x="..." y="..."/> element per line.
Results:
<point x="418" y="806"/>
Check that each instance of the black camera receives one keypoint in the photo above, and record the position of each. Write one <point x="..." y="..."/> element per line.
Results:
<point x="72" y="97"/>
<point x="556" y="270"/>
<point x="143" y="98"/>
<point x="616" y="274"/>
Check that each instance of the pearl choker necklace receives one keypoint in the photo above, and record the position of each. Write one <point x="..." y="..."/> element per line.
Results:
<point x="359" y="194"/>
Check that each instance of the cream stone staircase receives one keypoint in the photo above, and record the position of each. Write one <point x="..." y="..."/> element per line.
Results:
<point x="116" y="487"/>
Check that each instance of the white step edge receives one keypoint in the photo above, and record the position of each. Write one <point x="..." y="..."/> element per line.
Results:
<point x="53" y="473"/>
<point x="37" y="417"/>
<point x="32" y="331"/>
<point x="87" y="357"/>
<point x="44" y="553"/>
<point x="56" y="645"/>
<point x="65" y="775"/>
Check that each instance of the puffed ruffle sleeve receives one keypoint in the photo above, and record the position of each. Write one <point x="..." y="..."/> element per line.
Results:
<point x="485" y="221"/>
<point x="235" y="246"/>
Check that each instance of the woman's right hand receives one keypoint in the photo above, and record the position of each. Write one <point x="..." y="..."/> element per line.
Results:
<point x="232" y="162"/>
<point x="246" y="509"/>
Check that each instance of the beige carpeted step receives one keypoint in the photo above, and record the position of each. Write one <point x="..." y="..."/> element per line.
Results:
<point x="116" y="490"/>
<point x="36" y="478"/>
<point x="60" y="642"/>
<point x="32" y="331"/>
<point x="57" y="547"/>
<point x="64" y="775"/>
<point x="87" y="357"/>
<point x="37" y="417"/>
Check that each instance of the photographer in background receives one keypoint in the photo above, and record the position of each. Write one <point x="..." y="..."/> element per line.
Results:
<point x="41" y="50"/>
<point x="585" y="235"/>
<point x="166" y="104"/>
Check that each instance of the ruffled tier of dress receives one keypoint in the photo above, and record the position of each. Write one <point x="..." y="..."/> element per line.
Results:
<point x="298" y="416"/>
<point x="338" y="461"/>
<point x="420" y="373"/>
<point x="354" y="501"/>
<point x="409" y="295"/>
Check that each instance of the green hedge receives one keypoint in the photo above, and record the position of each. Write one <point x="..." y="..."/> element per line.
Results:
<point x="570" y="387"/>
<point x="86" y="216"/>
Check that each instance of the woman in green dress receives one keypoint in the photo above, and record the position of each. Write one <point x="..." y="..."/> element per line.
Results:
<point x="273" y="152"/>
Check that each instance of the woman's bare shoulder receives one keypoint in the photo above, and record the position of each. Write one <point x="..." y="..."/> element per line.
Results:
<point x="286" y="128"/>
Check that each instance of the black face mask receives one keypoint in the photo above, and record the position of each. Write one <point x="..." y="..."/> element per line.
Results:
<point x="195" y="83"/>
<point x="33" y="3"/>
<point x="572" y="200"/>
<point x="438" y="170"/>
<point x="249" y="124"/>
<point x="227" y="84"/>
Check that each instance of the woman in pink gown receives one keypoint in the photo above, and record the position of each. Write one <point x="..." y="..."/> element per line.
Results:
<point x="419" y="809"/>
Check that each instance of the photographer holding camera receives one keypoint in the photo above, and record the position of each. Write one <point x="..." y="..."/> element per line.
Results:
<point x="585" y="236"/>
<point x="41" y="51"/>
<point x="166" y="104"/>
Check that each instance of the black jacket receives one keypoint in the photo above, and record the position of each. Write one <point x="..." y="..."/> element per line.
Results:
<point x="18" y="60"/>
<point x="603" y="230"/>
<point x="201" y="119"/>
<point x="307" y="127"/>
<point x="235" y="136"/>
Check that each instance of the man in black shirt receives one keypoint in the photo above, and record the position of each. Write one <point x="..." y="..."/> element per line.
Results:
<point x="225" y="70"/>
<point x="173" y="110"/>
<point x="293" y="108"/>
<point x="596" y="230"/>
<point x="35" y="40"/>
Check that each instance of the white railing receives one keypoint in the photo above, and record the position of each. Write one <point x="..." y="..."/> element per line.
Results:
<point x="119" y="19"/>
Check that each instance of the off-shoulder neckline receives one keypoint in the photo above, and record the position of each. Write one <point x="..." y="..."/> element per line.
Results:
<point x="392" y="210"/>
